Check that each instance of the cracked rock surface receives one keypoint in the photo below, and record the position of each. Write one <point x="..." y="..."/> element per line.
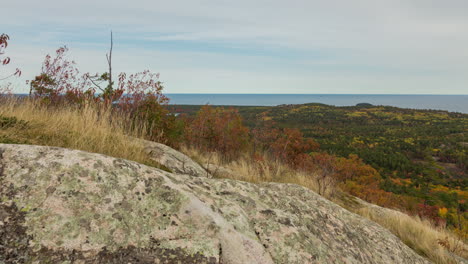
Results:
<point x="65" y="205"/>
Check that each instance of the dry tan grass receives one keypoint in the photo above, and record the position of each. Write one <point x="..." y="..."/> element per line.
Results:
<point x="255" y="171"/>
<point x="90" y="129"/>
<point x="419" y="234"/>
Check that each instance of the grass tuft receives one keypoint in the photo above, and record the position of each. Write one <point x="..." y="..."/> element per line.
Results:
<point x="437" y="244"/>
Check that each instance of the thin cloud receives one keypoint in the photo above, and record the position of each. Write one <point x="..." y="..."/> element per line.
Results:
<point x="406" y="45"/>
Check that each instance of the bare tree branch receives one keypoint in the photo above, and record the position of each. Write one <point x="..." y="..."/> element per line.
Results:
<point x="4" y="78"/>
<point x="109" y="62"/>
<point x="97" y="85"/>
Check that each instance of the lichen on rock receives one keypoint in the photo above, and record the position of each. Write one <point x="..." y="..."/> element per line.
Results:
<point x="68" y="205"/>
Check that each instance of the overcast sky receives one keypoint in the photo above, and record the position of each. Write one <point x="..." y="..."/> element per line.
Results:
<point x="247" y="46"/>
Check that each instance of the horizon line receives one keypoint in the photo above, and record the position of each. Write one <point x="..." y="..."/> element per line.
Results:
<point x="308" y="94"/>
<point x="293" y="94"/>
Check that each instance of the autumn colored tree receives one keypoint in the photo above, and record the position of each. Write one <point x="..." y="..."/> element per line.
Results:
<point x="290" y="146"/>
<point x="353" y="168"/>
<point x="287" y="144"/>
<point x="263" y="134"/>
<point x="59" y="80"/>
<point x="140" y="95"/>
<point x="218" y="129"/>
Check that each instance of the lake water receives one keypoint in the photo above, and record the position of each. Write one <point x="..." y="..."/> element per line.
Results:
<point x="453" y="103"/>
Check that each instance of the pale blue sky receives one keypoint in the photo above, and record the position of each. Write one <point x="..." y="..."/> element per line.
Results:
<point x="358" y="46"/>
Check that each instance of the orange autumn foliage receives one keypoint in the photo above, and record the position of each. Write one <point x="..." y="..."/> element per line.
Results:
<point x="218" y="129"/>
<point x="221" y="130"/>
